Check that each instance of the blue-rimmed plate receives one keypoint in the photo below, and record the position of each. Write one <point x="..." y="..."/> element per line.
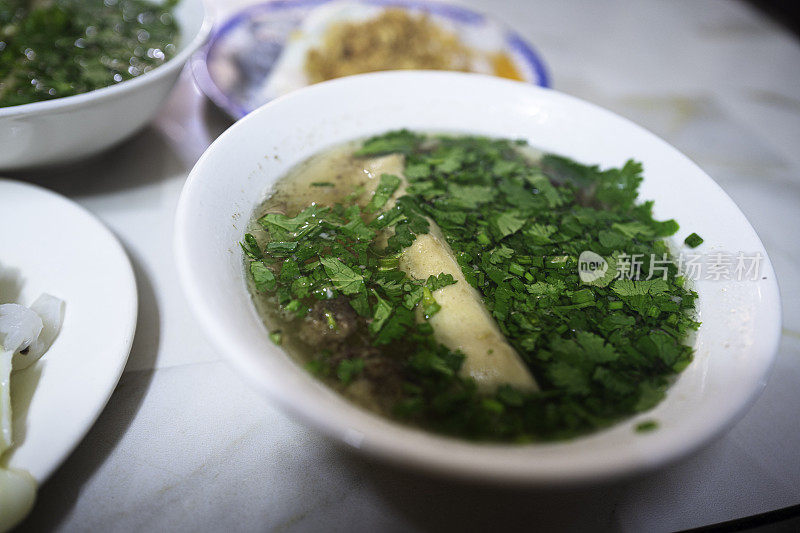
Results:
<point x="258" y="53"/>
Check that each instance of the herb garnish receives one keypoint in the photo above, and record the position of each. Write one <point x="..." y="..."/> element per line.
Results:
<point x="600" y="350"/>
<point x="693" y="241"/>
<point x="646" y="426"/>
<point x="55" y="48"/>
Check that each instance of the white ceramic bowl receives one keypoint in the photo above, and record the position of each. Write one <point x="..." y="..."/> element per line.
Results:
<point x="72" y="128"/>
<point x="735" y="345"/>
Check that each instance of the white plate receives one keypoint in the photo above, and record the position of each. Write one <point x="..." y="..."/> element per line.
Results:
<point x="60" y="248"/>
<point x="741" y="320"/>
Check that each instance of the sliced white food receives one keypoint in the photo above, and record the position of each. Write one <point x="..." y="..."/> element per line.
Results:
<point x="17" y="496"/>
<point x="19" y="327"/>
<point x="463" y="323"/>
<point x="51" y="311"/>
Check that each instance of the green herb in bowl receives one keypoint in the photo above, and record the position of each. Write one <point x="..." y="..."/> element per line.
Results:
<point x="363" y="278"/>
<point x="55" y="48"/>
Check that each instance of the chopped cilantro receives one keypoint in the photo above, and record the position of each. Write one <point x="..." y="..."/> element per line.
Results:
<point x="470" y="196"/>
<point x="383" y="310"/>
<point x="356" y="227"/>
<point x="250" y="247"/>
<point x="646" y="426"/>
<point x="385" y="189"/>
<point x="396" y="327"/>
<point x="402" y="141"/>
<point x="600" y="350"/>
<point x="343" y="277"/>
<point x="693" y="241"/>
<point x="429" y="305"/>
<point x="280" y="224"/>
<point x="349" y="369"/>
<point x="262" y="276"/>
<point x="506" y="223"/>
<point x="276" y="337"/>
<point x="437" y="282"/>
<point x="281" y="247"/>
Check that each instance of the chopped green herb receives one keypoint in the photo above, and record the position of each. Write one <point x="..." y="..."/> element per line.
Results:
<point x="276" y="337"/>
<point x="470" y="196"/>
<point x="437" y="282"/>
<point x="55" y="48"/>
<point x="693" y="241"/>
<point x="429" y="305"/>
<point x="506" y="223"/>
<point x="262" y="276"/>
<point x="383" y="310"/>
<point x="386" y="188"/>
<point x="349" y="369"/>
<point x="646" y="426"/>
<point x="343" y="277"/>
<point x="331" y="320"/>
<point x="402" y="141"/>
<point x="250" y="247"/>
<point x="600" y="350"/>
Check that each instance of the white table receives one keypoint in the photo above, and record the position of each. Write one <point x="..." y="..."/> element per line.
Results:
<point x="184" y="445"/>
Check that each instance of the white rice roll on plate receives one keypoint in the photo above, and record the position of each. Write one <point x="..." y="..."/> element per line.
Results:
<point x="51" y="311"/>
<point x="25" y="335"/>
<point x="19" y="327"/>
<point x="5" y="401"/>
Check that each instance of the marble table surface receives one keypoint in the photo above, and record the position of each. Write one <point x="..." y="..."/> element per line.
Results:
<point x="184" y="445"/>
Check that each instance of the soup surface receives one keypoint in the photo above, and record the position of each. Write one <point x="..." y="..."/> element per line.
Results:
<point x="472" y="286"/>
<point x="55" y="48"/>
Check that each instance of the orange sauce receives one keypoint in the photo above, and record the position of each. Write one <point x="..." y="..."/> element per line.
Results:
<point x="504" y="67"/>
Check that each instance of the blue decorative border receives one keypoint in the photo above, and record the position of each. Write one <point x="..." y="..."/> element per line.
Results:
<point x="456" y="13"/>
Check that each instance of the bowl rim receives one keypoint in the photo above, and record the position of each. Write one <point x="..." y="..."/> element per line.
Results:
<point x="119" y="89"/>
<point x="408" y="452"/>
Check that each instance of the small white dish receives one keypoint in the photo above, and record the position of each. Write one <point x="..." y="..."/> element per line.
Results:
<point x="52" y="245"/>
<point x="741" y="321"/>
<point x="74" y="127"/>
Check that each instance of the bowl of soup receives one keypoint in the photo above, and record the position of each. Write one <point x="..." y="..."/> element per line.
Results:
<point x="477" y="277"/>
<point x="79" y="77"/>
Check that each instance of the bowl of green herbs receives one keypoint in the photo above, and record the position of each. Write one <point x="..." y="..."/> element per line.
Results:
<point x="78" y="76"/>
<point x="478" y="278"/>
